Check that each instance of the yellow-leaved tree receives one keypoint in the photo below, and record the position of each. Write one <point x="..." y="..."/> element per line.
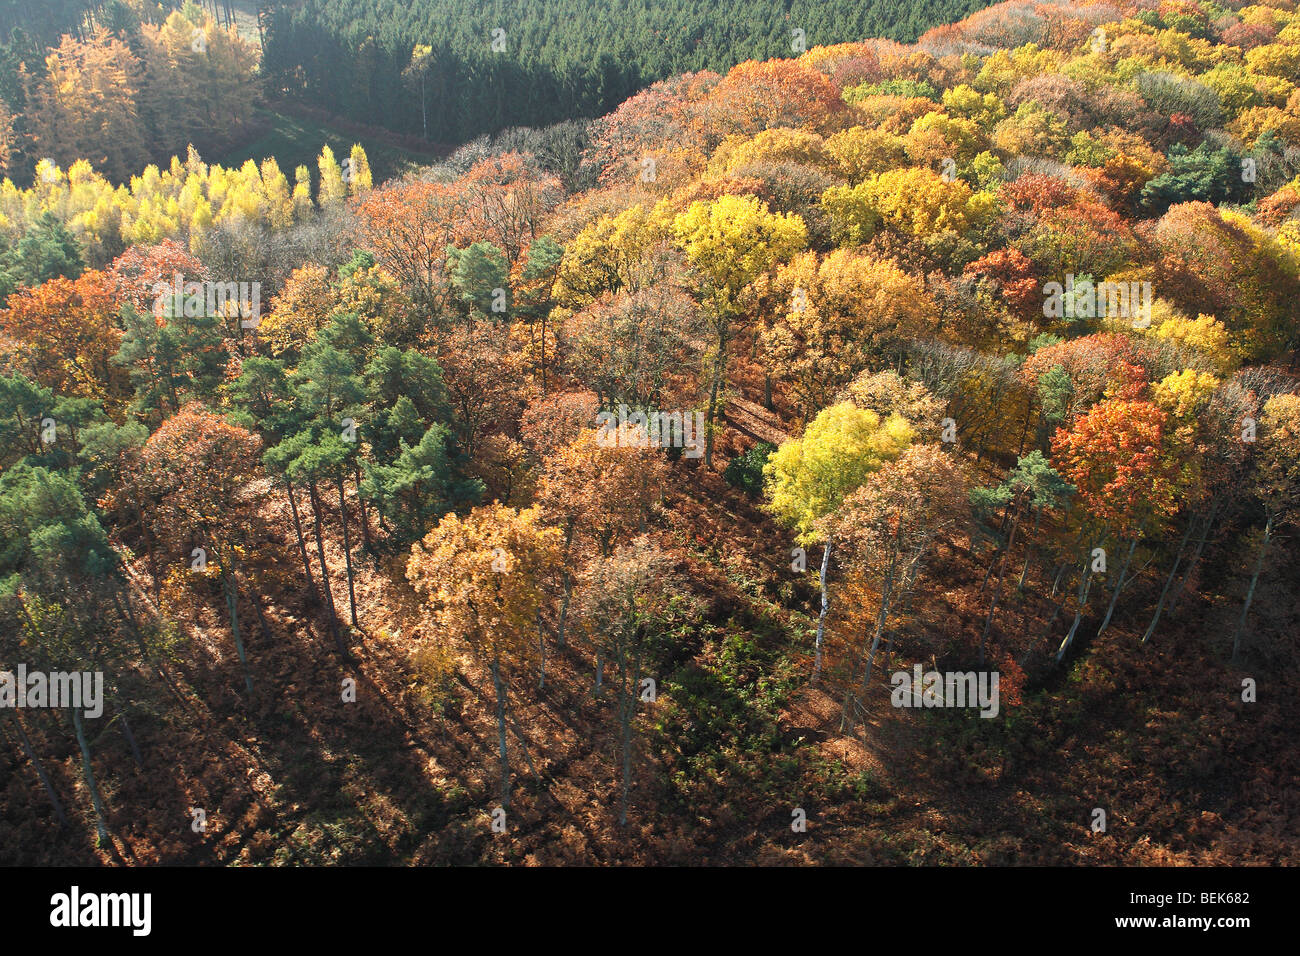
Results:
<point x="843" y="313"/>
<point x="300" y="310"/>
<point x="809" y="477"/>
<point x="332" y="189"/>
<point x="915" y="202"/>
<point x="730" y="242"/>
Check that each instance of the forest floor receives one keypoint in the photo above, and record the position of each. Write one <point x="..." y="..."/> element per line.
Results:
<point x="1156" y="735"/>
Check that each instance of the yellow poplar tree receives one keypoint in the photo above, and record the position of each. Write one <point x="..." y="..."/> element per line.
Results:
<point x="332" y="189"/>
<point x="360" y="179"/>
<point x="302" y="205"/>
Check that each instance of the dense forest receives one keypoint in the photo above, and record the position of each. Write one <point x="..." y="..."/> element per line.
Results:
<point x="131" y="85"/>
<point x="450" y="70"/>
<point x="622" y="490"/>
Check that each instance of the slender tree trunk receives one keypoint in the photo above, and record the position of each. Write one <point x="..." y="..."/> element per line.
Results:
<point x="909" y="583"/>
<point x="719" y="366"/>
<point x="1056" y="582"/>
<point x="122" y="601"/>
<point x="1001" y="563"/>
<point x="1196" y="557"/>
<point x="544" y="311"/>
<point x="1119" y="586"/>
<point x="130" y="739"/>
<point x="499" y="684"/>
<point x="1169" y="580"/>
<point x="1250" y="592"/>
<point x="365" y="520"/>
<point x="347" y="551"/>
<point x="39" y="767"/>
<point x="1085" y="585"/>
<point x="886" y="599"/>
<point x="847" y="721"/>
<point x="302" y="542"/>
<point x="988" y="573"/>
<point x="1060" y="606"/>
<point x="708" y="423"/>
<point x="628" y="716"/>
<point x="821" y="617"/>
<point x="314" y="498"/>
<point x="566" y="584"/>
<point x="232" y="602"/>
<point x="541" y="650"/>
<point x="1029" y="553"/>
<point x="988" y="620"/>
<point x="101" y="827"/>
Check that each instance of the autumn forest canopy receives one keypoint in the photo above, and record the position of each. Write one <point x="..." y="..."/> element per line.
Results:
<point x="864" y="439"/>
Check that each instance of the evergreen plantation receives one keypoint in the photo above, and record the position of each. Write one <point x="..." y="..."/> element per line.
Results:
<point x="497" y="64"/>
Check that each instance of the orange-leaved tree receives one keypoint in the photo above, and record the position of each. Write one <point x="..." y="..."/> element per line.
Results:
<point x="66" y="334"/>
<point x="482" y="577"/>
<point x="199" y="468"/>
<point x="888" y="526"/>
<point x="599" y="490"/>
<point x="1115" y="456"/>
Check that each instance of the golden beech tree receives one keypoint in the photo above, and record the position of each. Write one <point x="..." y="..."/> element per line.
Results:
<point x="625" y="252"/>
<point x="772" y="145"/>
<point x="731" y="242"/>
<point x="599" y="490"/>
<point x="300" y="310"/>
<point x="861" y="152"/>
<point x="916" y="202"/>
<point x="360" y="180"/>
<point x="364" y="289"/>
<point x="482" y="577"/>
<point x="842" y="313"/>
